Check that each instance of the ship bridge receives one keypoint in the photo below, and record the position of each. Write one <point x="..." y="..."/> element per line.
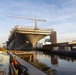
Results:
<point x="26" y="38"/>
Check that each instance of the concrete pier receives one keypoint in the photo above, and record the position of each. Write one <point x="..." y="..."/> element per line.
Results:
<point x="60" y="47"/>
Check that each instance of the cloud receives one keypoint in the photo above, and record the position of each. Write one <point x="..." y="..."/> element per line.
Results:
<point x="60" y="14"/>
<point x="68" y="37"/>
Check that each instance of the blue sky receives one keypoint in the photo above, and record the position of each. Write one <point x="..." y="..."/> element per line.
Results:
<point x="60" y="16"/>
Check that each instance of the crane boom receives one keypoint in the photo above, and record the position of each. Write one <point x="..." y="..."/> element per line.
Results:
<point x="35" y="19"/>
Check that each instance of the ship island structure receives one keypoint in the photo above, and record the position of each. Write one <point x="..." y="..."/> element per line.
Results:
<point x="25" y="38"/>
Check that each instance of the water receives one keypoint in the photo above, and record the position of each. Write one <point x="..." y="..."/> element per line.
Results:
<point x="61" y="64"/>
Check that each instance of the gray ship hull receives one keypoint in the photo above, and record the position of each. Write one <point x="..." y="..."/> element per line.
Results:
<point x="25" y="38"/>
<point x="20" y="42"/>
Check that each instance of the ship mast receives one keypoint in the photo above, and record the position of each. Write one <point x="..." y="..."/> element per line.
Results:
<point x="35" y="19"/>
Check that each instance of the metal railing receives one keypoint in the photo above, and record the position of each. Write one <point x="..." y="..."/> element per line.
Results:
<point x="21" y="70"/>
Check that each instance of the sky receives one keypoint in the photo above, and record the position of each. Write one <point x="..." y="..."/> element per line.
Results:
<point x="60" y="15"/>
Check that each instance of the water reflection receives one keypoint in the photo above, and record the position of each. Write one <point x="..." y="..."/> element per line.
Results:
<point x="62" y="64"/>
<point x="32" y="58"/>
<point x="52" y="64"/>
<point x="54" y="60"/>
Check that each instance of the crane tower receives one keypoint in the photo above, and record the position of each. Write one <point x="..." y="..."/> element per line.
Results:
<point x="35" y="19"/>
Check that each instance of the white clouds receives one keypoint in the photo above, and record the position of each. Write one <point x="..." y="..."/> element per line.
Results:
<point x="60" y="14"/>
<point x="68" y="37"/>
<point x="64" y="21"/>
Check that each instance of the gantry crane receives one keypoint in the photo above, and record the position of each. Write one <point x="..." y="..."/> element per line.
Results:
<point x="35" y="19"/>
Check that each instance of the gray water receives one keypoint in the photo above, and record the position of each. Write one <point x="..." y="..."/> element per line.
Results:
<point x="61" y="64"/>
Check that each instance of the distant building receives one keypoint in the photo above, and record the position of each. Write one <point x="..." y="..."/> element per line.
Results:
<point x="53" y="37"/>
<point x="47" y="41"/>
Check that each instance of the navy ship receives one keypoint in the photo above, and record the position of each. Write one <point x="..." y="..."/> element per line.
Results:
<point x="25" y="38"/>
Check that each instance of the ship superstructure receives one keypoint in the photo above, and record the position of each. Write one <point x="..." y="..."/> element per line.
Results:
<point x="25" y="38"/>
